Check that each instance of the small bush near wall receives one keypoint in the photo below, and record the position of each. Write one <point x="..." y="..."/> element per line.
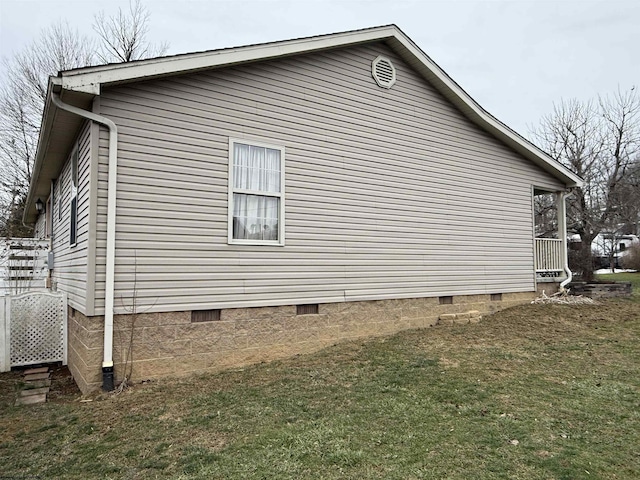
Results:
<point x="632" y="259"/>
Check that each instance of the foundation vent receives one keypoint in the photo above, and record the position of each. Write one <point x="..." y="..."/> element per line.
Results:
<point x="383" y="71"/>
<point x="445" y="300"/>
<point x="198" y="316"/>
<point x="308" y="309"/>
<point x="496" y="297"/>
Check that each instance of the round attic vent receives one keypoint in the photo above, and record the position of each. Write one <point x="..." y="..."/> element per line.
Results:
<point x="383" y="71"/>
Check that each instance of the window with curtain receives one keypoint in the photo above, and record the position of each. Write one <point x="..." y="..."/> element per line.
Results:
<point x="256" y="193"/>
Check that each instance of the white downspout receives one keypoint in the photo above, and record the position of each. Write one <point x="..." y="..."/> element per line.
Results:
<point x="562" y="230"/>
<point x="107" y="361"/>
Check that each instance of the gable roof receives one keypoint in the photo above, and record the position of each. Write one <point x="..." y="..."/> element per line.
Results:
<point x="79" y="87"/>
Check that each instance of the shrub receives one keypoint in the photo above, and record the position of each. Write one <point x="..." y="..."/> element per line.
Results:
<point x="631" y="260"/>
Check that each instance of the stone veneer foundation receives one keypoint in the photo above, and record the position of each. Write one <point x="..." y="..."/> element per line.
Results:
<point x="165" y="344"/>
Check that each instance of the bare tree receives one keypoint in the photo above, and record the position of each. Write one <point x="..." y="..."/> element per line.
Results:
<point x="546" y="216"/>
<point x="123" y="36"/>
<point x="600" y="141"/>
<point x="22" y="96"/>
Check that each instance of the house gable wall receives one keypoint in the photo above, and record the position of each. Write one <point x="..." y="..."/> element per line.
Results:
<point x="390" y="193"/>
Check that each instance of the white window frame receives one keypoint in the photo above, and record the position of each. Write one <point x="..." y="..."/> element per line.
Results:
<point x="231" y="191"/>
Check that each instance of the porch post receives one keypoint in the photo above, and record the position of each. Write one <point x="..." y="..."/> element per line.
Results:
<point x="5" y="333"/>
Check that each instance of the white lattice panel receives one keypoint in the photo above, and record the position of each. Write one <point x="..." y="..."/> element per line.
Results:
<point x="37" y="328"/>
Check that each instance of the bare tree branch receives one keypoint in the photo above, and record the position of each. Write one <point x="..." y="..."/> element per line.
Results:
<point x="601" y="143"/>
<point x="22" y="96"/>
<point x="23" y="91"/>
<point x="123" y="36"/>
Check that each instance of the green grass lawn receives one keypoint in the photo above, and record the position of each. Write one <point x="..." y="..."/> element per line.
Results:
<point x="534" y="392"/>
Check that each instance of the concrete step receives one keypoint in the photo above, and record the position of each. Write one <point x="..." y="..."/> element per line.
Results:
<point x="27" y="392"/>
<point x="36" y="376"/>
<point x="40" y="383"/>
<point x="31" y="371"/>
<point x="37" y="383"/>
<point x="32" y="399"/>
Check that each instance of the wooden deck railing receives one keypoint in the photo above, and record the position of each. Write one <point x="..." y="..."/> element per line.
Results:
<point x="549" y="255"/>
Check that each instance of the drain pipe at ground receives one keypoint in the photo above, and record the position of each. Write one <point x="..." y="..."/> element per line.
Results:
<point x="107" y="362"/>
<point x="562" y="226"/>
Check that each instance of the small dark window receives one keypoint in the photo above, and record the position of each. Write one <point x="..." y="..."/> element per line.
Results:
<point x="49" y="215"/>
<point x="309" y="309"/>
<point x="73" y="219"/>
<point x="205" y="315"/>
<point x="446" y="300"/>
<point x="623" y="246"/>
<point x="496" y="297"/>
<point x="73" y="228"/>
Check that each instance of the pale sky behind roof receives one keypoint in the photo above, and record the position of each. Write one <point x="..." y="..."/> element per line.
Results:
<point x="515" y="58"/>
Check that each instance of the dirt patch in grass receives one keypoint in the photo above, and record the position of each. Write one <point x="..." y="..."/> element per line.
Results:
<point x="538" y="391"/>
<point x="63" y="388"/>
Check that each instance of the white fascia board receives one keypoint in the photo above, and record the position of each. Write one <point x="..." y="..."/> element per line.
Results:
<point x="89" y="80"/>
<point x="91" y="88"/>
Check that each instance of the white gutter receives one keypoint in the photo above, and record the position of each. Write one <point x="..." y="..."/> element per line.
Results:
<point x="562" y="230"/>
<point x="107" y="362"/>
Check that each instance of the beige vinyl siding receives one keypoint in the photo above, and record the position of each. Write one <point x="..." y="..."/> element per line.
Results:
<point x="389" y="193"/>
<point x="70" y="262"/>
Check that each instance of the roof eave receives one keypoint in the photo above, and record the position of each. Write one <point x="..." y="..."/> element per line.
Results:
<point x="30" y="215"/>
<point x="91" y="79"/>
<point x="470" y="108"/>
<point x="89" y="82"/>
<point x="50" y="156"/>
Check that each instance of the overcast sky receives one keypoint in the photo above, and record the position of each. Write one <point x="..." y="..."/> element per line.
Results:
<point x="516" y="58"/>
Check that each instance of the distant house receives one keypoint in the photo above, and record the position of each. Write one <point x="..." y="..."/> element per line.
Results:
<point x="611" y="247"/>
<point x="246" y="204"/>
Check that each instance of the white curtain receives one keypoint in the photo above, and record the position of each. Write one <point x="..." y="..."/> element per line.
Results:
<point x="255" y="217"/>
<point x="256" y="168"/>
